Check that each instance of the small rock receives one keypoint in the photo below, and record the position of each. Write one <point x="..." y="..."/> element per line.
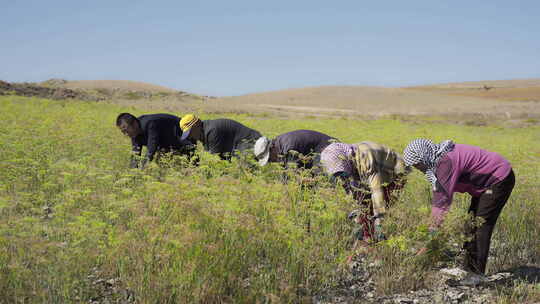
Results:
<point x="483" y="299"/>
<point x="129" y="295"/>
<point x="354" y="266"/>
<point x="438" y="298"/>
<point x="457" y="273"/>
<point x="472" y="279"/>
<point x="501" y="276"/>
<point x="456" y="296"/>
<point x="403" y="301"/>
<point x="47" y="212"/>
<point x="376" y="263"/>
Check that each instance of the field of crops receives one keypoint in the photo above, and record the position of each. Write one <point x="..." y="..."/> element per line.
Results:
<point x="73" y="217"/>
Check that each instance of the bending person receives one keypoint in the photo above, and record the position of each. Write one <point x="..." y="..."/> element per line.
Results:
<point x="158" y="132"/>
<point x="219" y="136"/>
<point x="486" y="176"/>
<point x="373" y="174"/>
<point x="300" y="146"/>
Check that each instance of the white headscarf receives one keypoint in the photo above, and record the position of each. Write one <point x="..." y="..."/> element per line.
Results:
<point x="428" y="153"/>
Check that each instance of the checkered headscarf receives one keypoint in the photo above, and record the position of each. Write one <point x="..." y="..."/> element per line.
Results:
<point x="428" y="153"/>
<point x="337" y="157"/>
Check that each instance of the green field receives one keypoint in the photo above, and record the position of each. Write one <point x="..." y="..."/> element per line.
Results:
<point x="71" y="213"/>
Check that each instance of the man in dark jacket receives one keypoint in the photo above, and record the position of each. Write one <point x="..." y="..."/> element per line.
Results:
<point x="158" y="132"/>
<point x="301" y="146"/>
<point x="219" y="136"/>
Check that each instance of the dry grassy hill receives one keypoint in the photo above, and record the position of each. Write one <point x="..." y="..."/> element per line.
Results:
<point x="511" y="90"/>
<point x="120" y="85"/>
<point x="128" y="93"/>
<point x="507" y="99"/>
<point x="379" y="101"/>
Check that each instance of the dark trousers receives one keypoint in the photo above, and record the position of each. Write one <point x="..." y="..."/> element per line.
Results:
<point x="488" y="206"/>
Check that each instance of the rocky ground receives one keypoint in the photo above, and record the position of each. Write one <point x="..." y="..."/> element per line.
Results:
<point x="358" y="287"/>
<point x="107" y="290"/>
<point x="451" y="287"/>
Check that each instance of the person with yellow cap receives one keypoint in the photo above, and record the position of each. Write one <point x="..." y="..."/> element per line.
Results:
<point x="219" y="136"/>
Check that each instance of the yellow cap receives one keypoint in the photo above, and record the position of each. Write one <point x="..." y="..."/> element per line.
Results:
<point x="188" y="121"/>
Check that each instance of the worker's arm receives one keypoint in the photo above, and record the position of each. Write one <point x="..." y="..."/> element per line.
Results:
<point x="377" y="195"/>
<point x="153" y="141"/>
<point x="368" y="169"/>
<point x="447" y="177"/>
<point x="136" y="149"/>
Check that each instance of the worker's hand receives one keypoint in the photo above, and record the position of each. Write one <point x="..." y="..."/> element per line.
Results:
<point x="379" y="235"/>
<point x="431" y="234"/>
<point x="309" y="181"/>
<point x="422" y="251"/>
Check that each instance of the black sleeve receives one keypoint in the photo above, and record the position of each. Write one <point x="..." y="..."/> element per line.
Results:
<point x="290" y="157"/>
<point x="215" y="144"/>
<point x="153" y="139"/>
<point x="187" y="143"/>
<point x="136" y="149"/>
<point x="285" y="164"/>
<point x="284" y="161"/>
<point x="286" y="152"/>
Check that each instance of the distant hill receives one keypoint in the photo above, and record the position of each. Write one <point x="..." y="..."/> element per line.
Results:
<point x="124" y="92"/>
<point x="36" y="90"/>
<point x="120" y="85"/>
<point x="512" y="83"/>
<point x="512" y="90"/>
<point x="380" y="101"/>
<point x="507" y="99"/>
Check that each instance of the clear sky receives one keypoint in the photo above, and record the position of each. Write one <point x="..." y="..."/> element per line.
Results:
<point x="232" y="47"/>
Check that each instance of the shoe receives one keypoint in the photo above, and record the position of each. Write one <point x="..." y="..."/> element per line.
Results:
<point x="472" y="279"/>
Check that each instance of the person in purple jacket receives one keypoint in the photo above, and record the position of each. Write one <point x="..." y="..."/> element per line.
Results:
<point x="301" y="146"/>
<point x="486" y="176"/>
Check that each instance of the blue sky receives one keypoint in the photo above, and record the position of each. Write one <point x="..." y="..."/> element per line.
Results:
<point x="238" y="47"/>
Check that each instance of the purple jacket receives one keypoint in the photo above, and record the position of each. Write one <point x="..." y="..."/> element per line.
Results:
<point x="466" y="169"/>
